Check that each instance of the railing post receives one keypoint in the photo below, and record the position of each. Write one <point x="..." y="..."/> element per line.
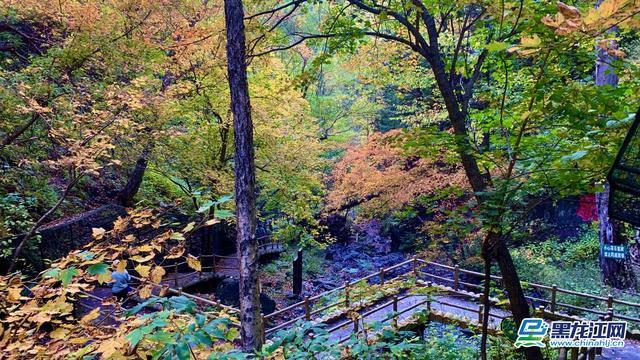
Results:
<point x="610" y="302"/>
<point x="591" y="353"/>
<point x="355" y="325"/>
<point x="297" y="273"/>
<point x="609" y="314"/>
<point x="381" y="276"/>
<point x="574" y="353"/>
<point x="562" y="354"/>
<point x="480" y="313"/>
<point x="307" y="309"/>
<point x="395" y="311"/>
<point x="599" y="349"/>
<point x="346" y="295"/>
<point x="415" y="266"/>
<point x="175" y="274"/>
<point x="456" y="278"/>
<point x="262" y="329"/>
<point x="554" y="290"/>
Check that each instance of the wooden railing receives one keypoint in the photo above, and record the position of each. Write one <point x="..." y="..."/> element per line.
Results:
<point x="454" y="285"/>
<point x="216" y="262"/>
<point x="553" y="291"/>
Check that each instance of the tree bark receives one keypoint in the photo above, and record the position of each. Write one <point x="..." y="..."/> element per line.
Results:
<point x="616" y="273"/>
<point x="129" y="191"/>
<point x="250" y="329"/>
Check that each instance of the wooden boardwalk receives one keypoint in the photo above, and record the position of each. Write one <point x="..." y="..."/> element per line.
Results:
<point x="449" y="300"/>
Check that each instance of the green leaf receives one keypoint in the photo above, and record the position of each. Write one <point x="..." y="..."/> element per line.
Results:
<point x="136" y="335"/>
<point x="177" y="236"/>
<point x="67" y="275"/>
<point x="51" y="273"/>
<point x="182" y="351"/>
<point x="496" y="46"/>
<point x="206" y="206"/>
<point x="224" y="199"/>
<point x="189" y="227"/>
<point x="98" y="269"/>
<point x="575" y="156"/>
<point x="223" y="214"/>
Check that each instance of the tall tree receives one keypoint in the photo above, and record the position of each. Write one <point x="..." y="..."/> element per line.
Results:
<point x="456" y="87"/>
<point x="244" y="176"/>
<point x="617" y="273"/>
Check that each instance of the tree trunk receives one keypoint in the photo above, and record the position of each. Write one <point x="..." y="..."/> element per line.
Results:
<point x="616" y="273"/>
<point x="479" y="184"/>
<point x="129" y="191"/>
<point x="250" y="318"/>
<point x="18" y="131"/>
<point x="224" y="137"/>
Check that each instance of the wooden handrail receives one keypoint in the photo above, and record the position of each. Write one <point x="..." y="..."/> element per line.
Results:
<point x="456" y="270"/>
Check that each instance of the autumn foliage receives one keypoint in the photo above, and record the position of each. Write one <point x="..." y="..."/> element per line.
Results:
<point x="39" y="318"/>
<point x="380" y="176"/>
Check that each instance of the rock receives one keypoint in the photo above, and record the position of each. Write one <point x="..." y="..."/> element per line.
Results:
<point x="325" y="284"/>
<point x="228" y="293"/>
<point x="268" y="305"/>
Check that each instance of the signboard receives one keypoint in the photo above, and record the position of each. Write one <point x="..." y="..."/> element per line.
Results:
<point x="614" y="251"/>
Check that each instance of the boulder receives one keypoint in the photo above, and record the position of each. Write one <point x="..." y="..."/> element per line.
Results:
<point x="228" y="292"/>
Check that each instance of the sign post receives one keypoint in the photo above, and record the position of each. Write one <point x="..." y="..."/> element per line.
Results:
<point x="614" y="251"/>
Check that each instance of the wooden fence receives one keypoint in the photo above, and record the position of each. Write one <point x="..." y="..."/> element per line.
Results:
<point x="455" y="285"/>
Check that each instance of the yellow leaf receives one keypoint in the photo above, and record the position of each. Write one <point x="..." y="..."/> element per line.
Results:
<point x="156" y="274"/>
<point x="530" y="42"/>
<point x="59" y="333"/>
<point x="608" y="8"/>
<point x="142" y="259"/>
<point x="104" y="278"/>
<point x="108" y="347"/>
<point x="122" y="265"/>
<point x="175" y="252"/>
<point x="212" y="221"/>
<point x="14" y="294"/>
<point x="40" y="318"/>
<point x="145" y="292"/>
<point x="94" y="314"/>
<point x="194" y="263"/>
<point x="80" y="340"/>
<point x="143" y="270"/>
<point x="147" y="248"/>
<point x="98" y="233"/>
<point x="189" y="227"/>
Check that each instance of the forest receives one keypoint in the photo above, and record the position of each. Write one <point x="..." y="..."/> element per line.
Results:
<point x="319" y="179"/>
